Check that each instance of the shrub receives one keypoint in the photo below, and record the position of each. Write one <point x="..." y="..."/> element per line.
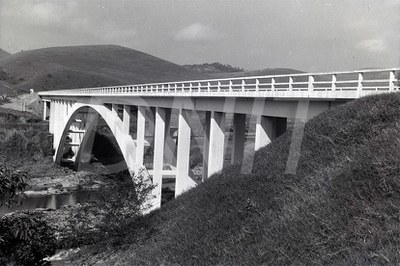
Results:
<point x="25" y="239"/>
<point x="112" y="213"/>
<point x="11" y="182"/>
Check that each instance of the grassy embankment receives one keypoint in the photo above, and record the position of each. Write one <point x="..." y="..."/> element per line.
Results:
<point x="341" y="207"/>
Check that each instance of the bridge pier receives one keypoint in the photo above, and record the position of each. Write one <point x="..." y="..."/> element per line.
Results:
<point x="162" y="121"/>
<point x="183" y="180"/>
<point x="216" y="144"/>
<point x="239" y="137"/>
<point x="268" y="129"/>
<point x="140" y="136"/>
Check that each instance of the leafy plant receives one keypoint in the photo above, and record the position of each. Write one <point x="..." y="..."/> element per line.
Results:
<point x="25" y="239"/>
<point x="11" y="183"/>
<point x="112" y="213"/>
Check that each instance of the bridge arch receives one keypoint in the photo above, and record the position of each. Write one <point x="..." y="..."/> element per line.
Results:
<point x="83" y="134"/>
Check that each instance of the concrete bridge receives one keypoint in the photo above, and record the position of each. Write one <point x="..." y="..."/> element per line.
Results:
<point x="270" y="100"/>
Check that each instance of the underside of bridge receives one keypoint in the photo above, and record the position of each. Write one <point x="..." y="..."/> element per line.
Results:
<point x="176" y="146"/>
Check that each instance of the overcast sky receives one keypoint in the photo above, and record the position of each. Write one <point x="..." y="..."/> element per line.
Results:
<point x="310" y="35"/>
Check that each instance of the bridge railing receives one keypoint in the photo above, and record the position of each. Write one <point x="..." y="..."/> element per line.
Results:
<point x="350" y="84"/>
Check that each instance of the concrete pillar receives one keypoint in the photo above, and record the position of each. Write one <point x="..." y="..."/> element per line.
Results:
<point x="206" y="144"/>
<point x="161" y="126"/>
<point x="57" y="122"/>
<point x="126" y="119"/>
<point x="239" y="137"/>
<point x="51" y="118"/>
<point x="44" y="110"/>
<point x="216" y="145"/>
<point x="140" y="134"/>
<point x="265" y="131"/>
<point x="183" y="180"/>
<point x="114" y="109"/>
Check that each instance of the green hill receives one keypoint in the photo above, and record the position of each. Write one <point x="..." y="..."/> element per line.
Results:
<point x="73" y="67"/>
<point x="87" y="66"/>
<point x="340" y="208"/>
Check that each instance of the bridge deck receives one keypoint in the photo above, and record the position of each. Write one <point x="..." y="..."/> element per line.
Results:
<point x="332" y="85"/>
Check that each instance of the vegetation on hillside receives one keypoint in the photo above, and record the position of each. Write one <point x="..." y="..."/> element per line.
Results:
<point x="86" y="66"/>
<point x="214" y="68"/>
<point x="341" y="207"/>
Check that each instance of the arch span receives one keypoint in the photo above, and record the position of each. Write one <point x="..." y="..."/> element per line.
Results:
<point x="82" y="130"/>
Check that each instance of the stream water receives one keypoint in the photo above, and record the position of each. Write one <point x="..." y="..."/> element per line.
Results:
<point x="49" y="201"/>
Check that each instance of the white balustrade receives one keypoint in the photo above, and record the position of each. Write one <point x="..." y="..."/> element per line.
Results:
<point x="332" y="84"/>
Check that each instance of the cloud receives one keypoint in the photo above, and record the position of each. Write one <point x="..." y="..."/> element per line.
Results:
<point x="196" y="32"/>
<point x="372" y="45"/>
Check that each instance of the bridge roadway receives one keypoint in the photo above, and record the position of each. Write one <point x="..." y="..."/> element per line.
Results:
<point x="73" y="116"/>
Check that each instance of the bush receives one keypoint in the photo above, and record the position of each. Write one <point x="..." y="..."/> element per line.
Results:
<point x="112" y="213"/>
<point x="25" y="239"/>
<point x="11" y="183"/>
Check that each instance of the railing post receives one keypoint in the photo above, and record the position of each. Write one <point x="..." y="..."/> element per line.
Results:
<point x="272" y="84"/>
<point x="199" y="88"/>
<point x="176" y="87"/>
<point x="310" y="83"/>
<point x="359" y="84"/>
<point x="290" y="83"/>
<point x="230" y="86"/>
<point x="208" y="86"/>
<point x="243" y="85"/>
<point x="334" y="78"/>
<point x="257" y="85"/>
<point x="219" y="86"/>
<point x="190" y="87"/>
<point x="392" y="79"/>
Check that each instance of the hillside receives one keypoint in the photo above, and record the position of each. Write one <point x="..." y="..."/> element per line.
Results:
<point x="340" y="208"/>
<point x="3" y="54"/>
<point x="86" y="66"/>
<point x="100" y="65"/>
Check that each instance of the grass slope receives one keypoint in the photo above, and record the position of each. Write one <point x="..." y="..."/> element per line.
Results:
<point x="342" y="207"/>
<point x="87" y="66"/>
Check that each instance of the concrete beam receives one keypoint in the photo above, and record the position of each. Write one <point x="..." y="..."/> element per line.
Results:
<point x="183" y="180"/>
<point x="217" y="141"/>
<point x="239" y="137"/>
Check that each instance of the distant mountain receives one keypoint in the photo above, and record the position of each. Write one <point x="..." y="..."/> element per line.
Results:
<point x="72" y="67"/>
<point x="86" y="66"/>
<point x="3" y="54"/>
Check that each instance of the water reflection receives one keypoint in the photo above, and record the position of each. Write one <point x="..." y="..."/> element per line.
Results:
<point x="49" y="201"/>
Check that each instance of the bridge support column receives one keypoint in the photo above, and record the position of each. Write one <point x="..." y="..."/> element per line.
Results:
<point x="57" y="123"/>
<point x="183" y="180"/>
<point x="44" y="110"/>
<point x="140" y="136"/>
<point x="51" y="118"/>
<point x="239" y="137"/>
<point x="114" y="109"/>
<point x="216" y="145"/>
<point x="161" y="128"/>
<point x="267" y="129"/>
<point x="126" y="117"/>
<point x="206" y="144"/>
